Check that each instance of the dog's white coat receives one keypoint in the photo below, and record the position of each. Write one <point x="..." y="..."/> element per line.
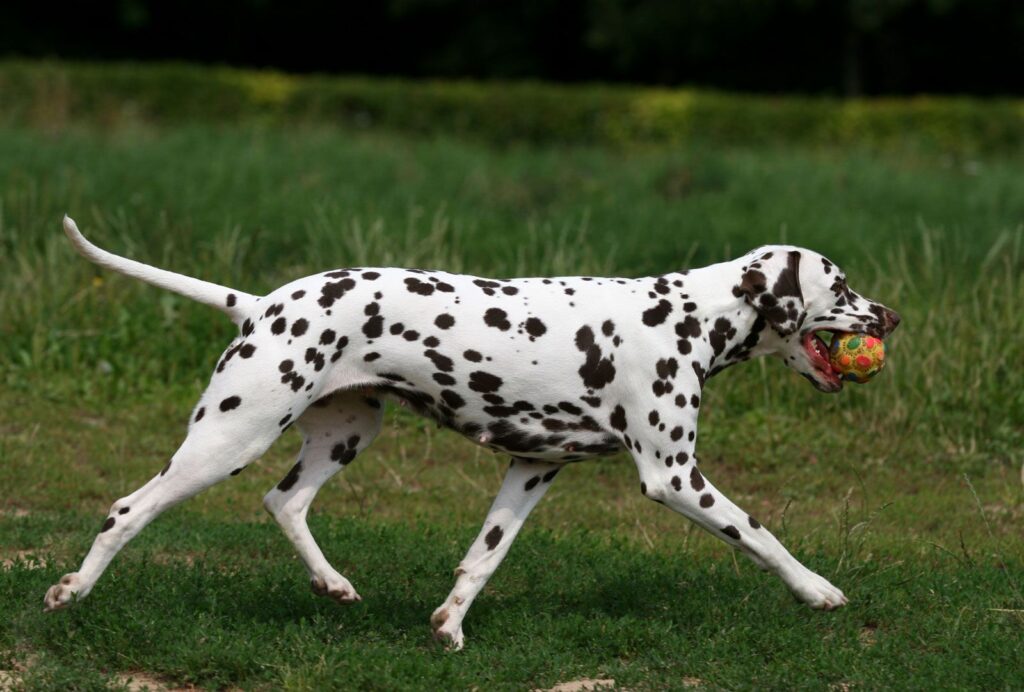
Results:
<point x="567" y="368"/>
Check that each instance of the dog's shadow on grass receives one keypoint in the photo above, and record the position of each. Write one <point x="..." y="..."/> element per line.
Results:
<point x="399" y="601"/>
<point x="402" y="577"/>
<point x="275" y="598"/>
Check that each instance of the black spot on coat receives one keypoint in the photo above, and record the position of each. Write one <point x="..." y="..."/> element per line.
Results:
<point x="497" y="318"/>
<point x="441" y="362"/>
<point x="493" y="537"/>
<point x="414" y="285"/>
<point x="688" y="328"/>
<point x="618" y="418"/>
<point x="332" y="291"/>
<point x="343" y="453"/>
<point x="374" y="327"/>
<point x="596" y="370"/>
<point x="696" y="480"/>
<point x="535" y="328"/>
<point x="480" y="381"/>
<point x="452" y="398"/>
<point x="658" y="314"/>
<point x="293" y="476"/>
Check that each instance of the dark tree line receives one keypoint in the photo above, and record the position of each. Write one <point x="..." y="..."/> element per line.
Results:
<point x="813" y="46"/>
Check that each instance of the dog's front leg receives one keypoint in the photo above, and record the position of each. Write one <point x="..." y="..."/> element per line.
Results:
<point x="662" y="446"/>
<point x="525" y="484"/>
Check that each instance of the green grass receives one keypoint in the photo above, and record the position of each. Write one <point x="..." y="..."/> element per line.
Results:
<point x="905" y="492"/>
<point x="941" y="242"/>
<point x="566" y="607"/>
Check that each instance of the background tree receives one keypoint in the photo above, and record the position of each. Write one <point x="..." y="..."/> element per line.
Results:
<point x="812" y="46"/>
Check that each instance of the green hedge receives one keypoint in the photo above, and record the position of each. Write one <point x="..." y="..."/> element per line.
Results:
<point x="54" y="94"/>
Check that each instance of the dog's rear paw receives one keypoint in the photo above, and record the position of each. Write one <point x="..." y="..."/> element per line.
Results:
<point x="62" y="593"/>
<point x="452" y="641"/>
<point x="447" y="631"/>
<point x="337" y="589"/>
<point x="817" y="592"/>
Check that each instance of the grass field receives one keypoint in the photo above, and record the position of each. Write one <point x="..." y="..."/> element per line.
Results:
<point x="906" y="493"/>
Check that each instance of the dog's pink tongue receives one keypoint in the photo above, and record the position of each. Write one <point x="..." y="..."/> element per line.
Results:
<point x="821" y="346"/>
<point x="817" y="347"/>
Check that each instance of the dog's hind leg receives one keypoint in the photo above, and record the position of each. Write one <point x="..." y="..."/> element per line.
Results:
<point x="237" y="419"/>
<point x="525" y="484"/>
<point x="334" y="429"/>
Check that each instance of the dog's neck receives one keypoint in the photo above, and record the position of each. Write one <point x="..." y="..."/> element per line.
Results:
<point x="735" y="332"/>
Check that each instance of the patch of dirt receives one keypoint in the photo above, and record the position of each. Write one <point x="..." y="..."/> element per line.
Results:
<point x="25" y="557"/>
<point x="9" y="680"/>
<point x="583" y="685"/>
<point x="137" y="681"/>
<point x="693" y="682"/>
<point x="189" y="558"/>
<point x="867" y="634"/>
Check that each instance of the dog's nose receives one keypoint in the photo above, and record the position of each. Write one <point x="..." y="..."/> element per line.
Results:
<point x="891" y="319"/>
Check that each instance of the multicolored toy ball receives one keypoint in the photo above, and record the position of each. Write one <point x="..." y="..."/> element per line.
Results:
<point x="856" y="357"/>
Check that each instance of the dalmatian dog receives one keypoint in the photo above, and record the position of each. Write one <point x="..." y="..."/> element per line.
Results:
<point x="548" y="370"/>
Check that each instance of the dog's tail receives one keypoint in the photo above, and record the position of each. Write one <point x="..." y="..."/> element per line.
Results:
<point x="236" y="304"/>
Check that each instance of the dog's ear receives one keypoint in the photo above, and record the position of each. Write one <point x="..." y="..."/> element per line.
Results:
<point x="771" y="285"/>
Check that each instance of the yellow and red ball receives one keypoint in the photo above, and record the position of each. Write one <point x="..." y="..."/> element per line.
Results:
<point x="856" y="357"/>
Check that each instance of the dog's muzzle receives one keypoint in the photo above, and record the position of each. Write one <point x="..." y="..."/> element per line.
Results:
<point x="890" y="320"/>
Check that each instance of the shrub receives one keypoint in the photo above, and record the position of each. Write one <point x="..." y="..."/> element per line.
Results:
<point x="55" y="94"/>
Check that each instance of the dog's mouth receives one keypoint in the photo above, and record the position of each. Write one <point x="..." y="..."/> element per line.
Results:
<point x="817" y="350"/>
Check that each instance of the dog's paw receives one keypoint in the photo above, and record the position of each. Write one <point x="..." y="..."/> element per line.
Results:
<point x="338" y="589"/>
<point x="446" y="630"/>
<point x="63" y="593"/>
<point x="451" y="640"/>
<point x="817" y="592"/>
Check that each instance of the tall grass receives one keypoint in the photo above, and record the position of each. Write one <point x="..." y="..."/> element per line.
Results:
<point x="939" y="240"/>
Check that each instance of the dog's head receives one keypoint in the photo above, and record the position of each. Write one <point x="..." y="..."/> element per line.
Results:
<point x="800" y="293"/>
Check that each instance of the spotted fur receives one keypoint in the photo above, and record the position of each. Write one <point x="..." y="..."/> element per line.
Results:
<point x="547" y="370"/>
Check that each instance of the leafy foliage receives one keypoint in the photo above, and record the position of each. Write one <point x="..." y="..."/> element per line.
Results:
<point x="804" y="46"/>
<point x="52" y="95"/>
